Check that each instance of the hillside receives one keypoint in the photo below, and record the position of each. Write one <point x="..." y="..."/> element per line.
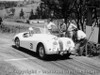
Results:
<point x="26" y="9"/>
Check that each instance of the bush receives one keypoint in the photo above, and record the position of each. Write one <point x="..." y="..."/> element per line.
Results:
<point x="12" y="29"/>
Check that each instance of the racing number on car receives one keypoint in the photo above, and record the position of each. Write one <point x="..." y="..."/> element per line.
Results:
<point x="31" y="46"/>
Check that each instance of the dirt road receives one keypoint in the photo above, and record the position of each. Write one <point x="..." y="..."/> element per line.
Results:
<point x="28" y="63"/>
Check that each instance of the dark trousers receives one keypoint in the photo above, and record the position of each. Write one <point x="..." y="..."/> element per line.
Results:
<point x="80" y="44"/>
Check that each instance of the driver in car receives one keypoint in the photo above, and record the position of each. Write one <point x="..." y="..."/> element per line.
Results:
<point x="31" y="31"/>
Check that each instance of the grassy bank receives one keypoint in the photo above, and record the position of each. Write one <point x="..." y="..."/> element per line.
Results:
<point x="12" y="29"/>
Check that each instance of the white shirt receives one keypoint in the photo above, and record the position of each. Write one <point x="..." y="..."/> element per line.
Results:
<point x="80" y="35"/>
<point x="71" y="27"/>
<point x="49" y="26"/>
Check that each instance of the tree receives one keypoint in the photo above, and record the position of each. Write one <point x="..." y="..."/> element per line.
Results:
<point x="59" y="8"/>
<point x="21" y="14"/>
<point x="66" y="9"/>
<point x="92" y="8"/>
<point x="80" y="8"/>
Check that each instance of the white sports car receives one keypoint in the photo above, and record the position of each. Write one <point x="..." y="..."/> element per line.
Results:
<point x="44" y="43"/>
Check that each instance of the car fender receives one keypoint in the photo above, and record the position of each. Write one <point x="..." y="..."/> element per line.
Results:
<point x="66" y="43"/>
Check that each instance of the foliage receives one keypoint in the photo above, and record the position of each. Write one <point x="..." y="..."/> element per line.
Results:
<point x="10" y="12"/>
<point x="43" y="11"/>
<point x="60" y="9"/>
<point x="21" y="14"/>
<point x="12" y="28"/>
<point x="67" y="9"/>
<point x="7" y="4"/>
<point x="55" y="8"/>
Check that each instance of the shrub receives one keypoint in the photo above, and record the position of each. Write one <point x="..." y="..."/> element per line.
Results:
<point x="12" y="29"/>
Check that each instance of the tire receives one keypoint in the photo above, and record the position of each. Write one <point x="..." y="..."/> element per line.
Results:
<point x="65" y="56"/>
<point x="17" y="43"/>
<point x="41" y="51"/>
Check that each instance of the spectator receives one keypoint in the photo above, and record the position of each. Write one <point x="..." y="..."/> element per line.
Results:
<point x="70" y="29"/>
<point x="22" y="14"/>
<point x="78" y="36"/>
<point x="63" y="28"/>
<point x="80" y="40"/>
<point x="50" y="25"/>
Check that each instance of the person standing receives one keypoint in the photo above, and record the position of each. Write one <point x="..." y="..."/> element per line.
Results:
<point x="81" y="40"/>
<point x="50" y="25"/>
<point x="70" y="29"/>
<point x="63" y="28"/>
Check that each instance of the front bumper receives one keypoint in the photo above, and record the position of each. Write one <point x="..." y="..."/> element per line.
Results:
<point x="59" y="52"/>
<point x="63" y="52"/>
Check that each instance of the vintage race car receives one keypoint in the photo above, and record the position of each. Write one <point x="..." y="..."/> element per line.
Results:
<point x="44" y="43"/>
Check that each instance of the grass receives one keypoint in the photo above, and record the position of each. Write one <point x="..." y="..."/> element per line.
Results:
<point x="12" y="29"/>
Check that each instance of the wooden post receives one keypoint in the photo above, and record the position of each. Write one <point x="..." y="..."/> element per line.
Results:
<point x="86" y="49"/>
<point x="99" y="34"/>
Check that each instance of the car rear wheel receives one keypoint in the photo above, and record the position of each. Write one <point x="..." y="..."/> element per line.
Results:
<point x="17" y="43"/>
<point x="41" y="52"/>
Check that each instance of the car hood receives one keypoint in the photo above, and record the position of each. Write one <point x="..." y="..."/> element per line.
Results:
<point x="44" y="36"/>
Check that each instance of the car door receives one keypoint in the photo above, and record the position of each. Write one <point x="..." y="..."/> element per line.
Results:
<point x="29" y="42"/>
<point x="26" y="41"/>
<point x="32" y="43"/>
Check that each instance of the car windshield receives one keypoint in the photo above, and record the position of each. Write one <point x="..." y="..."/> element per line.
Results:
<point x="39" y="30"/>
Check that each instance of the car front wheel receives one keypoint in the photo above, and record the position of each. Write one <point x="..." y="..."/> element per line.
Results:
<point x="66" y="55"/>
<point x="17" y="43"/>
<point x="41" y="52"/>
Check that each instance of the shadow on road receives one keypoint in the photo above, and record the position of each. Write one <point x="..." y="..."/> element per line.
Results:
<point x="49" y="57"/>
<point x="26" y="51"/>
